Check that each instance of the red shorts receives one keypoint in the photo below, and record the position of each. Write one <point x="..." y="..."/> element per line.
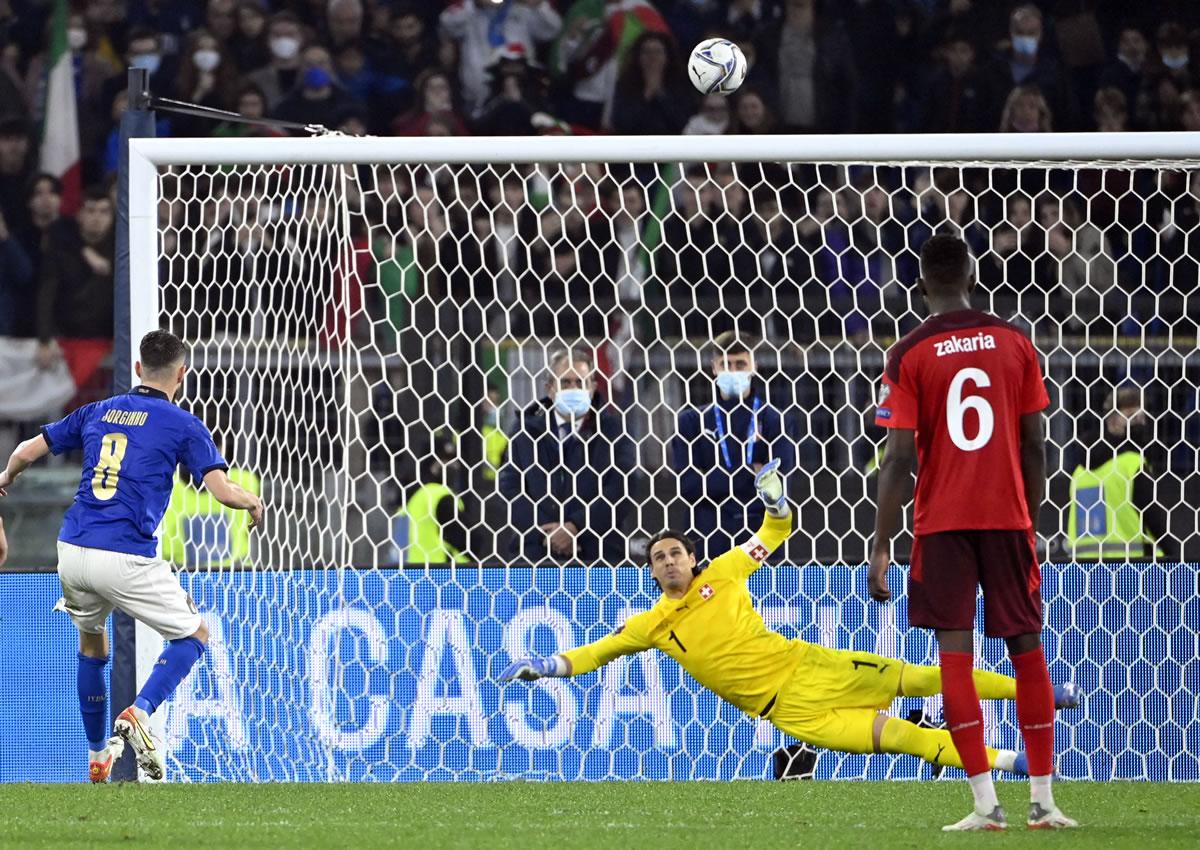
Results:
<point x="949" y="565"/>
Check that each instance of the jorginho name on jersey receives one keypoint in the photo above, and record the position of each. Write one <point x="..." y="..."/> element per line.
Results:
<point x="962" y="381"/>
<point x="132" y="444"/>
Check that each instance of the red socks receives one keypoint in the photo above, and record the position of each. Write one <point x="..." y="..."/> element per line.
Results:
<point x="1035" y="710"/>
<point x="964" y="715"/>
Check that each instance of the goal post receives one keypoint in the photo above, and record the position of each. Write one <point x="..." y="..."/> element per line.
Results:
<point x="361" y="310"/>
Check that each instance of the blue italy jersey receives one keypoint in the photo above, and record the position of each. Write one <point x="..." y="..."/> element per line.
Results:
<point x="132" y="444"/>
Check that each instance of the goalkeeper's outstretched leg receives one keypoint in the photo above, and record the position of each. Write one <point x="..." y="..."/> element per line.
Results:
<point x="866" y="730"/>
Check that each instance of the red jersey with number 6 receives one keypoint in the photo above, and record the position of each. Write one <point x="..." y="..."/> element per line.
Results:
<point x="962" y="381"/>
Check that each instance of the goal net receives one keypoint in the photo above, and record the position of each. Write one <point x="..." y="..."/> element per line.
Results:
<point x="385" y="332"/>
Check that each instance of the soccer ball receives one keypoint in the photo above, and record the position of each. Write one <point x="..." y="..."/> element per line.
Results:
<point x="717" y="66"/>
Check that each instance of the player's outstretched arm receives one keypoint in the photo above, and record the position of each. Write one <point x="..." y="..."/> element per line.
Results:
<point x="895" y="483"/>
<point x="1033" y="463"/>
<point x="3" y="544"/>
<point x="233" y="495"/>
<point x="536" y="668"/>
<point x="626" y="640"/>
<point x="23" y="456"/>
<point x="768" y="483"/>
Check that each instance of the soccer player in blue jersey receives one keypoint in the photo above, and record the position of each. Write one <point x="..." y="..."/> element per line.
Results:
<point x="132" y="444"/>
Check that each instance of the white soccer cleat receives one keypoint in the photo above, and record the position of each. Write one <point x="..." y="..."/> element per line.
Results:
<point x="133" y="726"/>
<point x="1040" y="818"/>
<point x="100" y="764"/>
<point x="975" y="822"/>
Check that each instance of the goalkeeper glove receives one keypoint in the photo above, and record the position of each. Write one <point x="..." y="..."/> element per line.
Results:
<point x="535" y="668"/>
<point x="769" y="484"/>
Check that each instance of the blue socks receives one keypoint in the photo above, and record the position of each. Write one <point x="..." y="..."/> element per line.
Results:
<point x="172" y="666"/>
<point x="93" y="700"/>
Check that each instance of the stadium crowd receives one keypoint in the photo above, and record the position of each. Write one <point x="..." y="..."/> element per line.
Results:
<point x="818" y="253"/>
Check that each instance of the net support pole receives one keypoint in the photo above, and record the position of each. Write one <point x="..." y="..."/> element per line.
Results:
<point x="135" y="311"/>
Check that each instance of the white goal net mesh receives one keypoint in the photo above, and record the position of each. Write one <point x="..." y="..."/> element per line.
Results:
<point x="389" y="349"/>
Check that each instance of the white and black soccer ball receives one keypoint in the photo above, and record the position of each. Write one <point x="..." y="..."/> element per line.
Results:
<point x="717" y="66"/>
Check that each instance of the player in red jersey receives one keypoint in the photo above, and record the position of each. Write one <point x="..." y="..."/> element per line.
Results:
<point x="963" y="393"/>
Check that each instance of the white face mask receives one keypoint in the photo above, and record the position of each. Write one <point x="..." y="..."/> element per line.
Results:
<point x="206" y="60"/>
<point x="1175" y="61"/>
<point x="77" y="38"/>
<point x="1026" y="45"/>
<point x="285" y="47"/>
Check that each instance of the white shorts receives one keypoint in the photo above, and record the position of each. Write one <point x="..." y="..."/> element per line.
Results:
<point x="94" y="581"/>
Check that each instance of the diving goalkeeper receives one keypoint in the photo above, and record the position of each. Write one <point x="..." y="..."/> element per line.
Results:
<point x="830" y="698"/>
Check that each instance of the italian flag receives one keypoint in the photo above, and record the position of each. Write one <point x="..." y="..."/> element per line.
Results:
<point x="60" y="128"/>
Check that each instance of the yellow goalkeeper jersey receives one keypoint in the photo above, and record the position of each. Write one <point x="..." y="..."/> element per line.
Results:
<point x="713" y="631"/>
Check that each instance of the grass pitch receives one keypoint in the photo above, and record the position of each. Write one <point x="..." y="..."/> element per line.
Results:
<point x="580" y="816"/>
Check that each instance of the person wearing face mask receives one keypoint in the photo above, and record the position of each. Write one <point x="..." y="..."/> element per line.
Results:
<point x="718" y="448"/>
<point x="428" y="528"/>
<point x="1166" y="79"/>
<point x="92" y="72"/>
<point x="207" y="77"/>
<point x="1113" y="513"/>
<point x="318" y="99"/>
<point x="145" y="50"/>
<point x="567" y="480"/>
<point x="1028" y="62"/>
<point x="285" y="40"/>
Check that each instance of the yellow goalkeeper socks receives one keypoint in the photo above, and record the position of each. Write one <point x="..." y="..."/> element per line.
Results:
<point x="920" y="680"/>
<point x="933" y="745"/>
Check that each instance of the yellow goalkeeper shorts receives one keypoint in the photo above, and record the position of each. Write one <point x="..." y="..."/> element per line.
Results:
<point x="833" y="697"/>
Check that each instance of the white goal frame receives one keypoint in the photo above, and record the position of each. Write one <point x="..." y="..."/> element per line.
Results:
<point x="148" y="156"/>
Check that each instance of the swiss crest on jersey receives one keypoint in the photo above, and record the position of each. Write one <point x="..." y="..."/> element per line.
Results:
<point x="706" y="591"/>
<point x="755" y="549"/>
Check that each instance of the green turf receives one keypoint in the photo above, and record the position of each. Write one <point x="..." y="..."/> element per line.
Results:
<point x="646" y="816"/>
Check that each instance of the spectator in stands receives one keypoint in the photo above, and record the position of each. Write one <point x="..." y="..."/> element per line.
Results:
<point x="712" y="119"/>
<point x="1026" y="111"/>
<point x="92" y="71"/>
<point x="567" y="472"/>
<point x="207" y="78"/>
<point x="813" y="63"/>
<point x="343" y="23"/>
<point x="718" y="448"/>
<point x="1015" y="242"/>
<point x="320" y="99"/>
<point x="1027" y="63"/>
<point x="284" y="39"/>
<point x="479" y="26"/>
<point x="1110" y="111"/>
<point x="251" y="103"/>
<point x="410" y="47"/>
<point x="1127" y="71"/>
<point x="248" y="44"/>
<point x="1079" y="262"/>
<point x="75" y="295"/>
<point x="221" y="19"/>
<point x="434" y="103"/>
<point x="751" y="115"/>
<point x="145" y="50"/>
<point x="16" y="285"/>
<point x="1113" y="513"/>
<point x="429" y="527"/>
<point x="518" y="92"/>
<point x="1167" y="79"/>
<point x="653" y="95"/>
<point x="44" y="206"/>
<point x="1189" y="112"/>
<point x="955" y="98"/>
<point x="15" y="158"/>
<point x="744" y="18"/>
<point x="592" y="49"/>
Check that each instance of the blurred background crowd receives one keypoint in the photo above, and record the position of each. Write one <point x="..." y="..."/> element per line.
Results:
<point x="806" y="258"/>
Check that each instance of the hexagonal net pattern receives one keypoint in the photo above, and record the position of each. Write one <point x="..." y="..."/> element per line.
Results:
<point x="390" y="349"/>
